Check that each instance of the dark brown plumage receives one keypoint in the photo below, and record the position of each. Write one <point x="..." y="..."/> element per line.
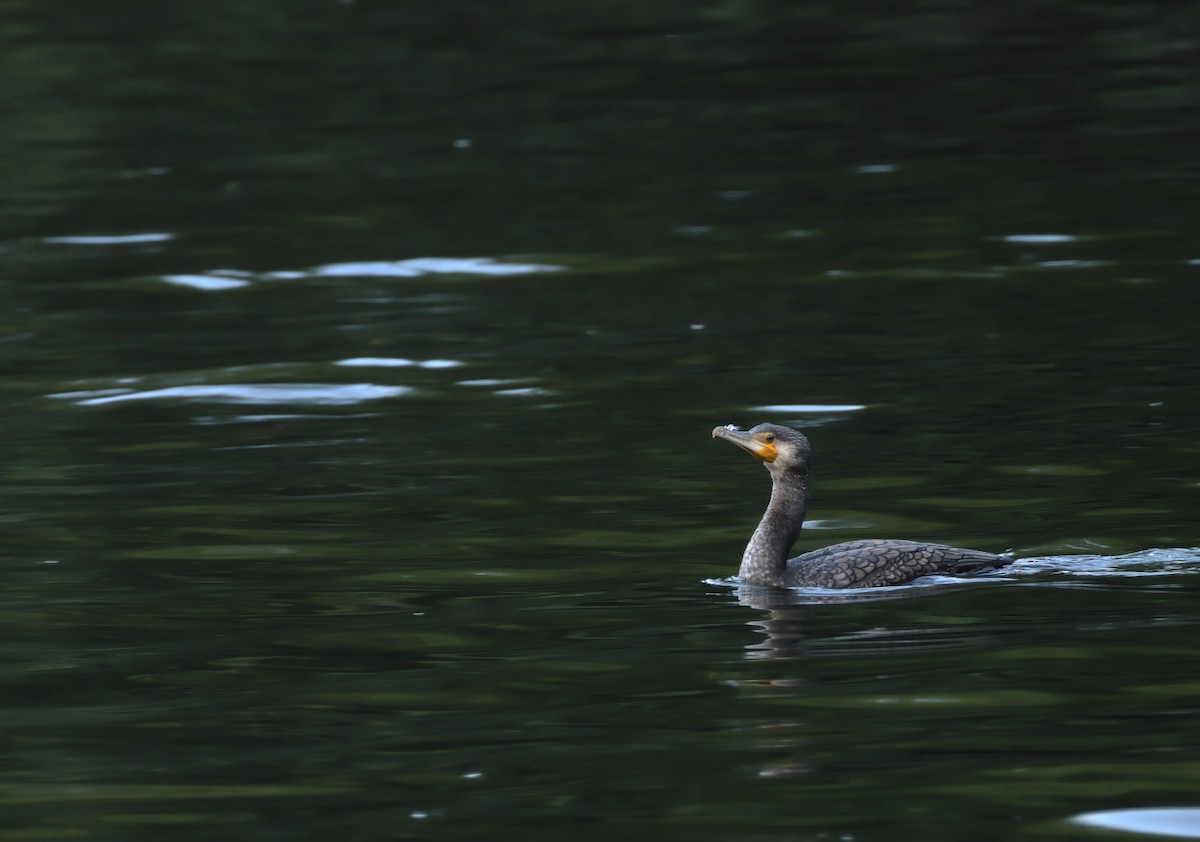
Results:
<point x="853" y="564"/>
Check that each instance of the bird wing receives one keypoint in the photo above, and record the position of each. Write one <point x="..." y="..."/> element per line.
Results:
<point x="860" y="564"/>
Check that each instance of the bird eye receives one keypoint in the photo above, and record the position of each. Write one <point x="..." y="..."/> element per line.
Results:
<point x="770" y="438"/>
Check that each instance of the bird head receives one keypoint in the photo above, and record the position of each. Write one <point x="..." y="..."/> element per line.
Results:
<point x="779" y="448"/>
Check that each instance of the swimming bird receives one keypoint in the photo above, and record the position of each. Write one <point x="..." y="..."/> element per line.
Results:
<point x="787" y="454"/>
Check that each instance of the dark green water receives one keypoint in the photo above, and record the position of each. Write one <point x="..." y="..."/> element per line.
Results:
<point x="359" y="362"/>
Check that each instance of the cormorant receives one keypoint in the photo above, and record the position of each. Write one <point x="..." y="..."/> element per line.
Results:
<point x="853" y="564"/>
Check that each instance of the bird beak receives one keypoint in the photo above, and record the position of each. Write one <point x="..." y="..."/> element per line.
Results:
<point x="757" y="448"/>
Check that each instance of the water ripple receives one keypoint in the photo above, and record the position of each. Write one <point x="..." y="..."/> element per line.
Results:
<point x="224" y="279"/>
<point x="1040" y="239"/>
<point x="1179" y="822"/>
<point x="1145" y="563"/>
<point x="417" y="266"/>
<point x="808" y="407"/>
<point x="109" y="240"/>
<point x="315" y="394"/>
<point x="1151" y="562"/>
<point x="208" y="283"/>
<point x="397" y="362"/>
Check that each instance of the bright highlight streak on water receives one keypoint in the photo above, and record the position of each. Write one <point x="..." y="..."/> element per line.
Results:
<point x="207" y="283"/>
<point x="397" y="362"/>
<point x="224" y="279"/>
<point x="808" y="407"/>
<point x="109" y="240"/>
<point x="1040" y="239"/>
<point x="317" y="394"/>
<point x="1180" y="823"/>
<point x="418" y="266"/>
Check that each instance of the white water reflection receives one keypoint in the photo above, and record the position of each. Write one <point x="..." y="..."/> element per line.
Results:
<point x="808" y="407"/>
<point x="488" y="382"/>
<point x="1151" y="562"/>
<point x="1040" y="239"/>
<point x="223" y="279"/>
<point x="428" y="266"/>
<point x="109" y="240"/>
<point x="397" y="362"/>
<point x="207" y="283"/>
<point x="272" y="384"/>
<point x="508" y="387"/>
<point x="315" y="394"/>
<point x="1177" y="822"/>
<point x="526" y="391"/>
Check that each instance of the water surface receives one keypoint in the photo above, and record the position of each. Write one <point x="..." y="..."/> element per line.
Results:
<point x="360" y="365"/>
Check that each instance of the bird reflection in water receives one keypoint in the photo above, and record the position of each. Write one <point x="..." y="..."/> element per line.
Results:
<point x="787" y="609"/>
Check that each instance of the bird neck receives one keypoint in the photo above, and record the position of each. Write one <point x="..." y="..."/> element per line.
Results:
<point x="765" y="558"/>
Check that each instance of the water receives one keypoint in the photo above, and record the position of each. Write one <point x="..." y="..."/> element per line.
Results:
<point x="360" y="366"/>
